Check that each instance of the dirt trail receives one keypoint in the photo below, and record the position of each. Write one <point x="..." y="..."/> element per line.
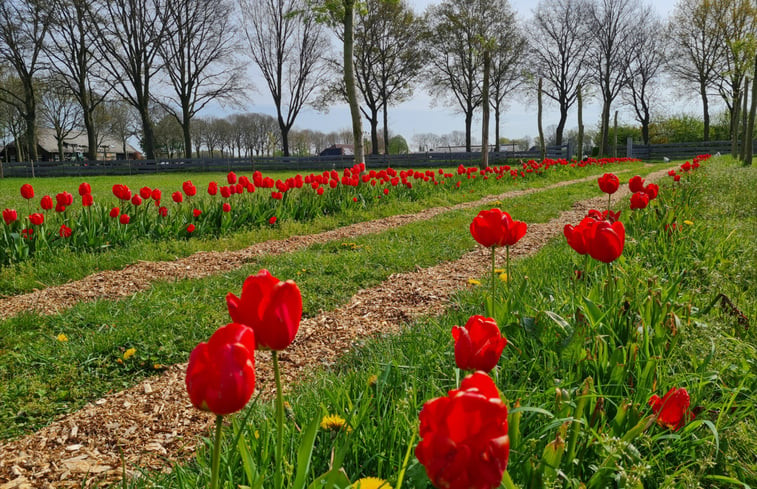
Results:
<point x="153" y="421"/>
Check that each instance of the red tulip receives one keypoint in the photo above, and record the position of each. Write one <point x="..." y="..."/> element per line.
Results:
<point x="576" y="236"/>
<point x="46" y="202"/>
<point x="651" y="190"/>
<point x="136" y="200"/>
<point x="226" y="207"/>
<point x="636" y="184"/>
<point x="605" y="241"/>
<point x="64" y="198"/>
<point x="37" y="219"/>
<point x="87" y="200"/>
<point x="496" y="228"/>
<point x="221" y="373"/>
<point x="677" y="178"/>
<point x="84" y="189"/>
<point x="196" y="212"/>
<point x="64" y="231"/>
<point x="190" y="228"/>
<point x="672" y="410"/>
<point x="156" y="194"/>
<point x="145" y="193"/>
<point x="9" y="216"/>
<point x="114" y="212"/>
<point x="27" y="191"/>
<point x="609" y="183"/>
<point x="639" y="200"/>
<point x="212" y="188"/>
<point x="319" y="191"/>
<point x="124" y="219"/>
<point x="163" y="211"/>
<point x="225" y="192"/>
<point x="464" y="442"/>
<point x="122" y="192"/>
<point x="231" y="178"/>
<point x="189" y="188"/>
<point x="478" y="345"/>
<point x="177" y="197"/>
<point x="60" y="208"/>
<point x="270" y="307"/>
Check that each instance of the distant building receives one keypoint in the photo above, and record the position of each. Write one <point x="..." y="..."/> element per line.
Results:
<point x="338" y="150"/>
<point x="75" y="147"/>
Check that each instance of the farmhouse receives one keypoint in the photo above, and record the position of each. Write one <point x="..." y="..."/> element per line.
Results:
<point x="74" y="147"/>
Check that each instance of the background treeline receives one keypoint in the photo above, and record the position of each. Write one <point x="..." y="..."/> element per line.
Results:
<point x="147" y="68"/>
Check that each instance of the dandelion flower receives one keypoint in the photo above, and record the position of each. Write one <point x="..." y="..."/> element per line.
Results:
<point x="473" y="281"/>
<point x="499" y="270"/>
<point x="62" y="338"/>
<point x="129" y="353"/>
<point x="688" y="222"/>
<point x="503" y="277"/>
<point x="371" y="483"/>
<point x="372" y="380"/>
<point x="334" y="422"/>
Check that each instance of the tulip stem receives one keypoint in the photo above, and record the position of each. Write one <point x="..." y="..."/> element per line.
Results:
<point x="278" y="475"/>
<point x="507" y="260"/>
<point x="609" y="200"/>
<point x="507" y="482"/>
<point x="494" y="280"/>
<point x="216" y="453"/>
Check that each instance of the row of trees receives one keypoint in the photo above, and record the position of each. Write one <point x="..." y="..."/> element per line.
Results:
<point x="473" y="55"/>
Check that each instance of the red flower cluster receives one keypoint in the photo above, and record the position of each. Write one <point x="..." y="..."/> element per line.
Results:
<point x="603" y="240"/>
<point x="464" y="442"/>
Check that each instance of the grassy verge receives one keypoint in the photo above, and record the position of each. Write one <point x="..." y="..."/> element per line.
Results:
<point x="63" y="264"/>
<point x="164" y="323"/>
<point x="651" y="329"/>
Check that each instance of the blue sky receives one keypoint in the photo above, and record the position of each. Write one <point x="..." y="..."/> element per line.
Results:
<point x="420" y="115"/>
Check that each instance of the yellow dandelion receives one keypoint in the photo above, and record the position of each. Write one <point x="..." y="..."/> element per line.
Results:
<point x="473" y="281"/>
<point x="687" y="222"/>
<point x="157" y="366"/>
<point x="62" y="338"/>
<point x="334" y="422"/>
<point x="118" y="360"/>
<point x="371" y="483"/>
<point x="257" y="435"/>
<point x="129" y="353"/>
<point x="372" y="380"/>
<point x="499" y="270"/>
<point x="503" y="277"/>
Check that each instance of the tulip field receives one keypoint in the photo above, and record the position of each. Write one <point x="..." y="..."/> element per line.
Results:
<point x="617" y="351"/>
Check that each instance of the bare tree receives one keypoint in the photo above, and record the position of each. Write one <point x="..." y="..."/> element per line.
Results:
<point x="737" y="24"/>
<point x="613" y="24"/>
<point x="455" y="64"/>
<point x="23" y="28"/>
<point x="128" y="35"/>
<point x="750" y="121"/>
<point x="198" y="59"/>
<point x="60" y="110"/>
<point x="560" y="46"/>
<point x="287" y="44"/>
<point x="71" y="55"/>
<point x="695" y="48"/>
<point x="117" y="119"/>
<point x="644" y="67"/>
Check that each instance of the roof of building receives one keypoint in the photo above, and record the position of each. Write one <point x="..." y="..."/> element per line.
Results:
<point x="77" y="141"/>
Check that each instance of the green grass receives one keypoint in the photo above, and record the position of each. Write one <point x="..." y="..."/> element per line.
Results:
<point x="666" y="285"/>
<point x="63" y="265"/>
<point x="167" y="321"/>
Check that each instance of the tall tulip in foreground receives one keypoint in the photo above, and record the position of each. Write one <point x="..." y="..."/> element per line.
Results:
<point x="495" y="228"/>
<point x="609" y="183"/>
<point x="464" y="442"/>
<point x="273" y="309"/>
<point x="221" y="378"/>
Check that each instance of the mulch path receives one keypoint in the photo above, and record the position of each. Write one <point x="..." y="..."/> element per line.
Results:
<point x="153" y="422"/>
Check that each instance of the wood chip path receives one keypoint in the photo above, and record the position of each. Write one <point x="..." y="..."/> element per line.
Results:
<point x="153" y="422"/>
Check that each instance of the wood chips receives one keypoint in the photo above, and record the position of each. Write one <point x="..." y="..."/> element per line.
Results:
<point x="154" y="422"/>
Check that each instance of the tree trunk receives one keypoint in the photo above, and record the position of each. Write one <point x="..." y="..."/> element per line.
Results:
<point x="750" y="123"/>
<point x="705" y="110"/>
<point x="561" y="124"/>
<point x="645" y="129"/>
<point x="735" y="115"/>
<point x="485" y="107"/>
<point x="496" y="128"/>
<point x="605" y="143"/>
<point x="148" y="134"/>
<point x="374" y="132"/>
<point x="744" y="111"/>
<point x="615" y="136"/>
<point x="580" y="124"/>
<point x="284" y="138"/>
<point x="60" y="148"/>
<point x="542" y="143"/>
<point x="386" y="128"/>
<point x="186" y="122"/>
<point x="349" y="80"/>
<point x="468" y="123"/>
<point x="89" y="126"/>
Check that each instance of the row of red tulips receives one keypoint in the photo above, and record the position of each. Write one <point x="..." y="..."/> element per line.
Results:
<point x="464" y="436"/>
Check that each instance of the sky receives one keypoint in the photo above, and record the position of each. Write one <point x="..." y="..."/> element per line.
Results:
<point x="421" y="115"/>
